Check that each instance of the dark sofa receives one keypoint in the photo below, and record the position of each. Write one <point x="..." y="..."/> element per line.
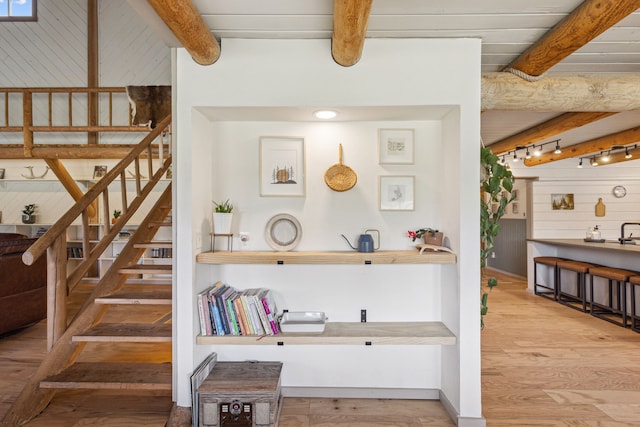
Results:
<point x="23" y="288"/>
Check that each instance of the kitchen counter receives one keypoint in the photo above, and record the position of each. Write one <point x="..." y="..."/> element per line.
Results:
<point x="607" y="245"/>
<point x="609" y="253"/>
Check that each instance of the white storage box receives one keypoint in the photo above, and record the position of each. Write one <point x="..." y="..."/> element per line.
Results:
<point x="303" y="321"/>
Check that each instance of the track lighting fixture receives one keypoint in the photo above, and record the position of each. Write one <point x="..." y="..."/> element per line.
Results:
<point x="605" y="158"/>
<point x="627" y="154"/>
<point x="557" y="150"/>
<point x="537" y="151"/>
<point x="527" y="156"/>
<point x="515" y="157"/>
<point x="580" y="164"/>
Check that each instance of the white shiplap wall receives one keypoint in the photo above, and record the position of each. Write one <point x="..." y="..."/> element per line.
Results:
<point x="52" y="52"/>
<point x="587" y="185"/>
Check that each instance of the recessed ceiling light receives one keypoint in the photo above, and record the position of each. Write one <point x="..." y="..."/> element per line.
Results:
<point x="325" y="114"/>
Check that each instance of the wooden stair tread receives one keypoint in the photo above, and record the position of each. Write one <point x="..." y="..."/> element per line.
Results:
<point x="146" y="269"/>
<point x="158" y="244"/>
<point x="112" y="376"/>
<point x="160" y="224"/>
<point x="126" y="332"/>
<point x="146" y="295"/>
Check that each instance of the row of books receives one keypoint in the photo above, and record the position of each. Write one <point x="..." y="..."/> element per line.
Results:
<point x="224" y="310"/>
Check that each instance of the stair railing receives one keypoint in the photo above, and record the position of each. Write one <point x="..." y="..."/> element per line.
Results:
<point x="54" y="241"/>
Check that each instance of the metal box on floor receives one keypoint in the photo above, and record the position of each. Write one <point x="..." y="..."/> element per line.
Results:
<point x="240" y="394"/>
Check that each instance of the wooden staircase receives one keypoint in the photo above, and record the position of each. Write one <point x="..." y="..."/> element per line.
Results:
<point x="122" y="310"/>
<point x="127" y="376"/>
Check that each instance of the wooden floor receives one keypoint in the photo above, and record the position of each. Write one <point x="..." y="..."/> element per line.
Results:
<point x="543" y="365"/>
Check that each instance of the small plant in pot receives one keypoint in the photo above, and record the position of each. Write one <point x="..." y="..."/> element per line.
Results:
<point x="29" y="214"/>
<point x="222" y="217"/>
<point x="430" y="236"/>
<point x="116" y="215"/>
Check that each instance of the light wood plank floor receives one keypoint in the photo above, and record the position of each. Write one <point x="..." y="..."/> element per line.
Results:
<point x="543" y="365"/>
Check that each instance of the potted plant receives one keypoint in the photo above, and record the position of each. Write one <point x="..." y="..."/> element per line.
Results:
<point x="496" y="184"/>
<point x="430" y="236"/>
<point x="29" y="214"/>
<point x="116" y="215"/>
<point x="222" y="217"/>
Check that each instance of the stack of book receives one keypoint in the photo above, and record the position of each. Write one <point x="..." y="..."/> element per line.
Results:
<point x="225" y="310"/>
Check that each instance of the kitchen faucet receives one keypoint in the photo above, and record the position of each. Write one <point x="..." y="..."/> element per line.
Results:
<point x="623" y="239"/>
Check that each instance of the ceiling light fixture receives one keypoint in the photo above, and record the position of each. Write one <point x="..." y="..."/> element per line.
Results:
<point x="605" y="158"/>
<point x="627" y="154"/>
<point x="537" y="151"/>
<point x="527" y="156"/>
<point x="580" y="164"/>
<point x="594" y="161"/>
<point x="325" y="114"/>
<point x="557" y="150"/>
<point x="515" y="157"/>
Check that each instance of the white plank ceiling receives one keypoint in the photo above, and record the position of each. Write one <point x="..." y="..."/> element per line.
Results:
<point x="507" y="28"/>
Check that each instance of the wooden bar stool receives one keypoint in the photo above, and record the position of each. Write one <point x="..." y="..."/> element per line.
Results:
<point x="547" y="290"/>
<point x="580" y="296"/>
<point x="635" y="317"/>
<point x="616" y="305"/>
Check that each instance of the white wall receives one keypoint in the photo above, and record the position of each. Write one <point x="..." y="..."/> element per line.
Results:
<point x="587" y="184"/>
<point x="265" y="73"/>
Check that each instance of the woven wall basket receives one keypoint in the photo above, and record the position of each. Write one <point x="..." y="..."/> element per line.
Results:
<point x="340" y="177"/>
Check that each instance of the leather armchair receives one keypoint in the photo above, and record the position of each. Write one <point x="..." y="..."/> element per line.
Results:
<point x="23" y="288"/>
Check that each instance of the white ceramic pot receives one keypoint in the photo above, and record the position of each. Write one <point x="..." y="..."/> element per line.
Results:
<point x="222" y="222"/>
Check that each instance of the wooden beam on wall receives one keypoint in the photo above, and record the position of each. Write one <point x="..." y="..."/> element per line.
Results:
<point x="350" y="20"/>
<point x="586" y="148"/>
<point x="70" y="151"/>
<point x="585" y="23"/>
<point x="561" y="93"/>
<point x="68" y="182"/>
<point x="184" y="20"/>
<point x="546" y="130"/>
<point x="92" y="67"/>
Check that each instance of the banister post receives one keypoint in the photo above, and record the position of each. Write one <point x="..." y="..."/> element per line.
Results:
<point x="27" y="122"/>
<point x="56" y="290"/>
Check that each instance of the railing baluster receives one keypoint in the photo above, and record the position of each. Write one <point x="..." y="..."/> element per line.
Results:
<point x="107" y="212"/>
<point x="137" y="167"/>
<point x="6" y="109"/>
<point x="50" y="109"/>
<point x="123" y="191"/>
<point x="70" y="108"/>
<point x="110" y="108"/>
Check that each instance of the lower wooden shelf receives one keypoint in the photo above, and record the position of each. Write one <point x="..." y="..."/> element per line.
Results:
<point x="349" y="333"/>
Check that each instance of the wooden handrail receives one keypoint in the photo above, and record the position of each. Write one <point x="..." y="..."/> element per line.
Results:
<point x="47" y="109"/>
<point x="39" y="247"/>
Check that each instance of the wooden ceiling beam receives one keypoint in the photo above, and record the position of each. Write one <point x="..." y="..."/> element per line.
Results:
<point x="561" y="93"/>
<point x="184" y="20"/>
<point x="546" y="130"/>
<point x="350" y="20"/>
<point x="68" y="151"/>
<point x="586" y="22"/>
<point x="584" y="149"/>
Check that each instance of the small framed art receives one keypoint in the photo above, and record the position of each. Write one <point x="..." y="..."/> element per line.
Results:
<point x="99" y="171"/>
<point x="397" y="193"/>
<point x="396" y="146"/>
<point x="282" y="166"/>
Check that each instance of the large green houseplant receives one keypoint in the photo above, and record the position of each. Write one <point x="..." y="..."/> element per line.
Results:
<point x="496" y="183"/>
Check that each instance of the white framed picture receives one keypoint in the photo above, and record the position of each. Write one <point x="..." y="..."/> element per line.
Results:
<point x="282" y="166"/>
<point x="397" y="193"/>
<point x="396" y="146"/>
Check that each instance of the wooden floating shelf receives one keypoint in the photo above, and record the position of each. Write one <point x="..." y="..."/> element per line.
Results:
<point x="319" y="257"/>
<point x="350" y="333"/>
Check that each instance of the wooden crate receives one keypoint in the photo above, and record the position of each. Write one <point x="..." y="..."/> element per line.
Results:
<point x="253" y="385"/>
